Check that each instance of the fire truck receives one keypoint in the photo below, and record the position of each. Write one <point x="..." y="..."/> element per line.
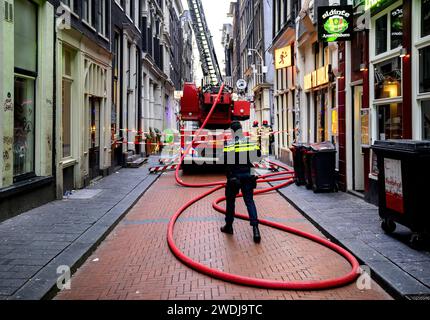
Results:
<point x="196" y="102"/>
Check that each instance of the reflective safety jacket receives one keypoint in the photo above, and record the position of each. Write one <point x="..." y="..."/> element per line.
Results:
<point x="240" y="155"/>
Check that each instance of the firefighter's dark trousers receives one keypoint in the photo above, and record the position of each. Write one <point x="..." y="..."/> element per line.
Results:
<point x="247" y="186"/>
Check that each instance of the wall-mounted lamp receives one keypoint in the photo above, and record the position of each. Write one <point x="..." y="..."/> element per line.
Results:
<point x="403" y="53"/>
<point x="363" y="67"/>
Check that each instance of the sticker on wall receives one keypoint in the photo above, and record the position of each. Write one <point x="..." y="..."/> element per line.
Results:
<point x="393" y="185"/>
<point x="8" y="103"/>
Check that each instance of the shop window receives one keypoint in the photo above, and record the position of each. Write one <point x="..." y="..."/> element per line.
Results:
<point x="390" y="121"/>
<point x="426" y="119"/>
<point x="25" y="57"/>
<point x="67" y="94"/>
<point x="365" y="121"/>
<point x="23" y="146"/>
<point x="388" y="79"/>
<point x="381" y="35"/>
<point x="425" y="69"/>
<point x="66" y="117"/>
<point x="425" y="18"/>
<point x="396" y="27"/>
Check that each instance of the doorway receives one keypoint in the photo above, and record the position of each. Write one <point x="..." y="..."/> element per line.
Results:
<point x="94" y="150"/>
<point x="358" y="155"/>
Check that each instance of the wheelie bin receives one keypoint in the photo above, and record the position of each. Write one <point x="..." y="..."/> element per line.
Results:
<point x="323" y="167"/>
<point x="404" y="175"/>
<point x="307" y="168"/>
<point x="297" y="149"/>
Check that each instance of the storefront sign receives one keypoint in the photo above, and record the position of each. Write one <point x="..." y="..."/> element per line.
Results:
<point x="317" y="78"/>
<point x="322" y="76"/>
<point x="314" y="79"/>
<point x="283" y="58"/>
<point x="308" y="81"/>
<point x="335" y="23"/>
<point x="369" y="4"/>
<point x="393" y="185"/>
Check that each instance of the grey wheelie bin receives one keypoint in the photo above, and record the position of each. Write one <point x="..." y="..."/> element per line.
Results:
<point x="403" y="182"/>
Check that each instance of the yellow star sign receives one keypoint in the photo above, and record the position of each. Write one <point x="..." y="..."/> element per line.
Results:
<point x="283" y="57"/>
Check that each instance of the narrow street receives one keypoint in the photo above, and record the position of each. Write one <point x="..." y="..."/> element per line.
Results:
<point x="128" y="128"/>
<point x="134" y="262"/>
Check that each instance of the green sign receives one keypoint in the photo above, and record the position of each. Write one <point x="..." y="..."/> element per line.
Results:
<point x="335" y="23"/>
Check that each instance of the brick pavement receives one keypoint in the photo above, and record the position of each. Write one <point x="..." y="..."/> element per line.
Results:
<point x="356" y="224"/>
<point x="34" y="244"/>
<point x="134" y="262"/>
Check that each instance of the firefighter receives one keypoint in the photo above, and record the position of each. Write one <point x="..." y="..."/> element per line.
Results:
<point x="255" y="133"/>
<point x="240" y="154"/>
<point x="266" y="133"/>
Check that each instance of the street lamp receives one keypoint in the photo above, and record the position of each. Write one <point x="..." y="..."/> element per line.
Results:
<point x="263" y="67"/>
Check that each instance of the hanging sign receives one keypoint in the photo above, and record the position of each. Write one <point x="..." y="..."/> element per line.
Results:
<point x="335" y="23"/>
<point x="283" y="58"/>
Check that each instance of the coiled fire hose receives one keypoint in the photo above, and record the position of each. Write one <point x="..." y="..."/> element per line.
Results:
<point x="288" y="178"/>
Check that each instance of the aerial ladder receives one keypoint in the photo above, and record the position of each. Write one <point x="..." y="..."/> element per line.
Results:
<point x="196" y="102"/>
<point x="204" y="41"/>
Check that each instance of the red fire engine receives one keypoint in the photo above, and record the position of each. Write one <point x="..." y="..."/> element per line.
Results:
<point x="196" y="102"/>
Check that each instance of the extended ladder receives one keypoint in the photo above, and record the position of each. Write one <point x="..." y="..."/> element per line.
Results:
<point x="204" y="41"/>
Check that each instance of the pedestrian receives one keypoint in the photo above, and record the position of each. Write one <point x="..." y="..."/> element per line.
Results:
<point x="240" y="153"/>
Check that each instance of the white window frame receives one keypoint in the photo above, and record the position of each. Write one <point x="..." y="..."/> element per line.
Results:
<point x="89" y="18"/>
<point x="375" y="59"/>
<point x="418" y="43"/>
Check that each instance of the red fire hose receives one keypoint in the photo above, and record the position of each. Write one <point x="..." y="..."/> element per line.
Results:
<point x="255" y="282"/>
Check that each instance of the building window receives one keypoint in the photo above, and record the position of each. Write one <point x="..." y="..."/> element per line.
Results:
<point x="102" y="17"/>
<point x="424" y="69"/>
<point x="69" y="4"/>
<point x="388" y="79"/>
<point x="393" y="37"/>
<point x="87" y="6"/>
<point x="23" y="144"/>
<point x="396" y="27"/>
<point x="25" y="57"/>
<point x="67" y="85"/>
<point x="381" y="35"/>
<point x="425" y="18"/>
<point x="390" y="121"/>
<point x="425" y="105"/>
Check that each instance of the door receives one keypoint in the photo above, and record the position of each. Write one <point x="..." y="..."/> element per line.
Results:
<point x="94" y="151"/>
<point x="358" y="156"/>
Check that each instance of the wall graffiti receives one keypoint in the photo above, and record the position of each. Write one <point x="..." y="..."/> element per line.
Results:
<point x="8" y="105"/>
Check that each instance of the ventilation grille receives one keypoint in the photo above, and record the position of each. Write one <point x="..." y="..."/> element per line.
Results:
<point x="8" y="11"/>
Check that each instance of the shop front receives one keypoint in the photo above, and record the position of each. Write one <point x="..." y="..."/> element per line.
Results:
<point x="390" y="73"/>
<point x="286" y="114"/>
<point x="320" y="90"/>
<point x="421" y="69"/>
<point x="83" y="112"/>
<point x="27" y="102"/>
<point x="358" y="110"/>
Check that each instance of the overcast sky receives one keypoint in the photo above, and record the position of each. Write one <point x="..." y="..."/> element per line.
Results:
<point x="216" y="15"/>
